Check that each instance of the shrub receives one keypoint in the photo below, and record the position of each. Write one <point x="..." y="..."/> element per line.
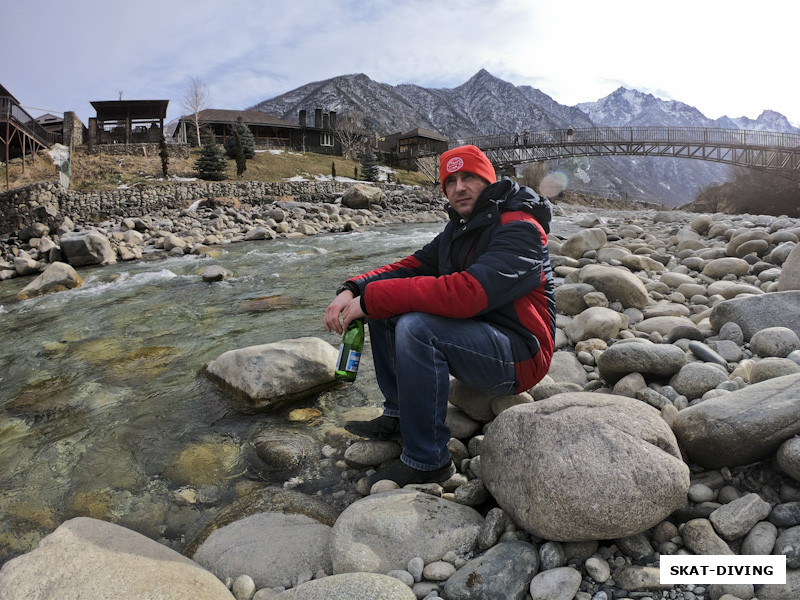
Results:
<point x="211" y="163"/>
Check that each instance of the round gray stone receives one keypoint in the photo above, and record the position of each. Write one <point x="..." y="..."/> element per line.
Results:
<point x="660" y="360"/>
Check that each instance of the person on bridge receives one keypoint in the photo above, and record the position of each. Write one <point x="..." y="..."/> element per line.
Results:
<point x="476" y="302"/>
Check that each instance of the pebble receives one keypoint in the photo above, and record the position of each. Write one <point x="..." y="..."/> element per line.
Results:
<point x="438" y="571"/>
<point x="598" y="569"/>
<point x="403" y="576"/>
<point x="701" y="493"/>
<point x="244" y="588"/>
<point x="551" y="556"/>
<point x="415" y="567"/>
<point x="560" y="583"/>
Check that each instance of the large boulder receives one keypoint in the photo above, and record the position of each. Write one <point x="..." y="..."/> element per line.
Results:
<point x="57" y="277"/>
<point x="754" y="313"/>
<point x="663" y="324"/>
<point x="269" y="375"/>
<point x="583" y="241"/>
<point x="595" y="322"/>
<point x="741" y="427"/>
<point x="87" y="248"/>
<point x="271" y="547"/>
<point x="362" y="196"/>
<point x="774" y="341"/>
<point x="570" y="297"/>
<point x="91" y="560"/>
<point x="720" y="267"/>
<point x="584" y="466"/>
<point x="504" y="571"/>
<point x="350" y="585"/>
<point x="382" y="532"/>
<point x="696" y="378"/>
<point x="656" y="360"/>
<point x="618" y="284"/>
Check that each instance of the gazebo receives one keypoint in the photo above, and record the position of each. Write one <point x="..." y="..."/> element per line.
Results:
<point x="127" y="121"/>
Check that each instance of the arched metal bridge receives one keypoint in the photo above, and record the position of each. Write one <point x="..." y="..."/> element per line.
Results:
<point x="771" y="151"/>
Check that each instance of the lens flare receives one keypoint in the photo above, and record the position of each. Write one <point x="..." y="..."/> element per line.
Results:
<point x="553" y="184"/>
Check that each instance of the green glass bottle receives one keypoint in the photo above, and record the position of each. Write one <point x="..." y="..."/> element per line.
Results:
<point x="350" y="351"/>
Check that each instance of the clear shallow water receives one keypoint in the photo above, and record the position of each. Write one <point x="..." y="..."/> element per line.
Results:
<point x="103" y="410"/>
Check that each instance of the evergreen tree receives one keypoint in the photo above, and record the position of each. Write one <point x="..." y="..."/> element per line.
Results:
<point x="333" y="170"/>
<point x="162" y="152"/>
<point x="191" y="138"/>
<point x="248" y="141"/>
<point x="241" y="158"/>
<point x="211" y="163"/>
<point x="369" y="166"/>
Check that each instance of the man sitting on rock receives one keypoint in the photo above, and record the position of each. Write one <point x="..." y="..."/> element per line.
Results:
<point x="478" y="302"/>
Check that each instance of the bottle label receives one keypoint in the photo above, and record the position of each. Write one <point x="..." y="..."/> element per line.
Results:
<point x="352" y="361"/>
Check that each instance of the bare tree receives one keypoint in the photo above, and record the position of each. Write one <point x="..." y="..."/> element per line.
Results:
<point x="532" y="175"/>
<point x="195" y="100"/>
<point x="351" y="135"/>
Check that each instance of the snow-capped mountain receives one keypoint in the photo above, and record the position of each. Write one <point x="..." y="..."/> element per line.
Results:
<point x="630" y="108"/>
<point x="486" y="105"/>
<point x="769" y="120"/>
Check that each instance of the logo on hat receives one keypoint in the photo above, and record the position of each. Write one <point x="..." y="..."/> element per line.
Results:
<point x="454" y="164"/>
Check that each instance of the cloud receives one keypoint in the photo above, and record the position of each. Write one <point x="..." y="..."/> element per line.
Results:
<point x="722" y="57"/>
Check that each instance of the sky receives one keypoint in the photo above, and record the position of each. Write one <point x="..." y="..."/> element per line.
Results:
<point x="724" y="57"/>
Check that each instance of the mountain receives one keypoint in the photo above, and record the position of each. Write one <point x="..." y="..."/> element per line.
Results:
<point x="769" y="120"/>
<point x="486" y="105"/>
<point x="630" y="108"/>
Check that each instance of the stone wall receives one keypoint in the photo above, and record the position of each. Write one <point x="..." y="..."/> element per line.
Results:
<point x="140" y="149"/>
<point x="49" y="203"/>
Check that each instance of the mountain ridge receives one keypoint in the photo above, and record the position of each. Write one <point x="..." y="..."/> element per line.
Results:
<point x="487" y="105"/>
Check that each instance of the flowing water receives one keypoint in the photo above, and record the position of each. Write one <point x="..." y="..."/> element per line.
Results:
<point x="104" y="411"/>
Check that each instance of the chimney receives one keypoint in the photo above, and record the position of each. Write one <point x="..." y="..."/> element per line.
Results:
<point x="318" y="118"/>
<point x="302" y="118"/>
<point x="326" y="122"/>
<point x="333" y="119"/>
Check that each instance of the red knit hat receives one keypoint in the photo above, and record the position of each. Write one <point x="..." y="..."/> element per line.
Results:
<point x="465" y="158"/>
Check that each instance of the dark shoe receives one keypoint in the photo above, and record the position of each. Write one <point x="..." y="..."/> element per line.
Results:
<point x="383" y="428"/>
<point x="403" y="475"/>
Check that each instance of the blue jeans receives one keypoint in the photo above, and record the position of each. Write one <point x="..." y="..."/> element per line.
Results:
<point x="414" y="354"/>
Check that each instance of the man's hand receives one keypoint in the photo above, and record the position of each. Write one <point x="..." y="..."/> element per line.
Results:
<point x="344" y="308"/>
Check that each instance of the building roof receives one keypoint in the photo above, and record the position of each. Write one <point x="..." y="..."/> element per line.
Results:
<point x="250" y="117"/>
<point x="115" y="110"/>
<point x="5" y="92"/>
<point x="48" y="118"/>
<point x="422" y="132"/>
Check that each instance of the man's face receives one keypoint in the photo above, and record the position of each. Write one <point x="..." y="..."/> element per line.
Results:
<point x="462" y="189"/>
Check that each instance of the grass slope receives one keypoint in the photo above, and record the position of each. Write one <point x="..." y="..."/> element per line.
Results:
<point x="105" y="172"/>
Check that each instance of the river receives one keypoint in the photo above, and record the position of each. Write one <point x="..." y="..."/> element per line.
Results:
<point x="104" y="411"/>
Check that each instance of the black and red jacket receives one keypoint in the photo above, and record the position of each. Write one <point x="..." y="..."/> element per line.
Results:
<point x="494" y="267"/>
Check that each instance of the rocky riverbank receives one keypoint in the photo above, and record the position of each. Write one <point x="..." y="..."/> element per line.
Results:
<point x="54" y="234"/>
<point x="667" y="425"/>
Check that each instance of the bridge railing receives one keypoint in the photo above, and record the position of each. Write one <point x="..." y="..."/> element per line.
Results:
<point x="13" y="112"/>
<point x="621" y="135"/>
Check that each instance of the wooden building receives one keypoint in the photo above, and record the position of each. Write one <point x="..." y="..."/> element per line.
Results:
<point x="420" y="140"/>
<point x="51" y="123"/>
<point x="268" y="130"/>
<point x="127" y="121"/>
